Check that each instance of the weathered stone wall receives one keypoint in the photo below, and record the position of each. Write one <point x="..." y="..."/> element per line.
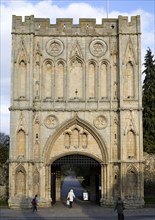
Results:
<point x="76" y="89"/>
<point x="149" y="177"/>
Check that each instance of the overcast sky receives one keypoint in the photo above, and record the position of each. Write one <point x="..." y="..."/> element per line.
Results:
<point x="65" y="9"/>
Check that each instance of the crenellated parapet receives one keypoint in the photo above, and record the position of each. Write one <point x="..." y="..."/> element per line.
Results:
<point x="129" y="27"/>
<point x="65" y="26"/>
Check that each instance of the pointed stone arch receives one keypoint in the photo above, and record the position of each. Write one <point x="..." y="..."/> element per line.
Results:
<point x="101" y="150"/>
<point x="60" y="79"/>
<point x="131" y="182"/>
<point x="76" y="52"/>
<point x="75" y="136"/>
<point x="132" y="167"/>
<point x="21" y="138"/>
<point x="104" y="79"/>
<point x="48" y="78"/>
<point x="130" y="125"/>
<point x="20" y="180"/>
<point x="22" y="53"/>
<point x="76" y="74"/>
<point x="129" y="63"/>
<point x="22" y="57"/>
<point x="131" y="143"/>
<point x="131" y="137"/>
<point x="92" y="79"/>
<point x="21" y="124"/>
<point x="129" y="54"/>
<point x="22" y="60"/>
<point x="67" y="140"/>
<point x="84" y="139"/>
<point x="76" y="58"/>
<point x="20" y="167"/>
<point x="21" y="143"/>
<point x="129" y="80"/>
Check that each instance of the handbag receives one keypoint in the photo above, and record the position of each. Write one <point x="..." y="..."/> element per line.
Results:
<point x="68" y="202"/>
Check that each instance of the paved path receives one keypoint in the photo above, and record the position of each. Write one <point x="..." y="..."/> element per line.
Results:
<point x="81" y="211"/>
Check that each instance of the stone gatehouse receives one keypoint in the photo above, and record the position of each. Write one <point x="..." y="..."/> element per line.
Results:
<point x="76" y="97"/>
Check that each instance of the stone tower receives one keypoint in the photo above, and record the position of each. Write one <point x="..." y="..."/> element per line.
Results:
<point x="76" y="96"/>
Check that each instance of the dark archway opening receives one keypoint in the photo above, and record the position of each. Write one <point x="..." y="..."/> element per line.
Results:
<point x="78" y="172"/>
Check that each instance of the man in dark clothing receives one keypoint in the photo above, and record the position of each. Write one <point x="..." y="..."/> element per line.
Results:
<point x="120" y="209"/>
<point x="34" y="203"/>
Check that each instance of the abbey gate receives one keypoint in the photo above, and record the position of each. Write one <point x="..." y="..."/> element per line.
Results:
<point x="76" y="100"/>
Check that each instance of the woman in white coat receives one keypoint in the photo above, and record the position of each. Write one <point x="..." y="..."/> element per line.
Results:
<point x="71" y="197"/>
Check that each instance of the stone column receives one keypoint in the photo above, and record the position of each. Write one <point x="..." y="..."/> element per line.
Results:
<point x="122" y="179"/>
<point x="141" y="184"/>
<point x="46" y="181"/>
<point x="48" y="185"/>
<point x="11" y="180"/>
<point x="102" y="181"/>
<point x="104" y="188"/>
<point x="58" y="186"/>
<point x="107" y="184"/>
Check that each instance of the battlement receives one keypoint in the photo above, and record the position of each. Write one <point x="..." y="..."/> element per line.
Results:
<point x="42" y="26"/>
<point x="124" y="24"/>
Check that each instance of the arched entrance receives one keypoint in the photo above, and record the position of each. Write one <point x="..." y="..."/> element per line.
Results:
<point x="76" y="137"/>
<point x="78" y="172"/>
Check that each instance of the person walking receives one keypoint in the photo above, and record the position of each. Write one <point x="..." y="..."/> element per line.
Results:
<point x="71" y="197"/>
<point x="34" y="203"/>
<point x="120" y="209"/>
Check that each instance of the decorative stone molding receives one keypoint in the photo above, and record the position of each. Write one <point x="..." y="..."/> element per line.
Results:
<point x="54" y="47"/>
<point x="130" y="124"/>
<point x="98" y="47"/>
<point x="100" y="122"/>
<point x="51" y="121"/>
